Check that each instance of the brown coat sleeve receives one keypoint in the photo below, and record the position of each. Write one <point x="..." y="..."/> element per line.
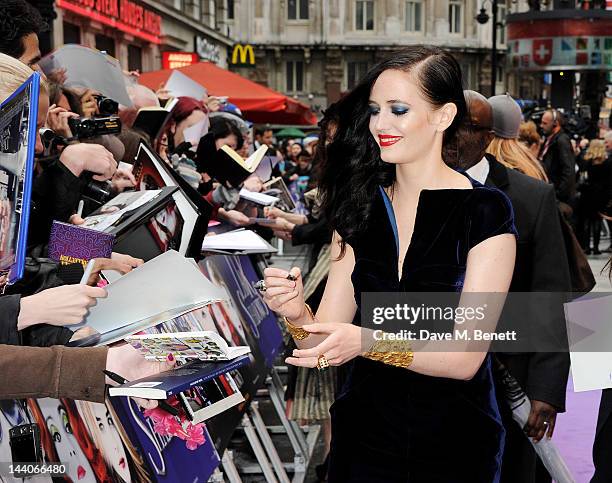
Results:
<point x="56" y="372"/>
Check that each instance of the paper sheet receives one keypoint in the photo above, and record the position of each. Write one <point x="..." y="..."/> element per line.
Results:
<point x="181" y="85"/>
<point x="163" y="284"/>
<point x="117" y="207"/>
<point x="235" y="240"/>
<point x="589" y="330"/>
<point x="90" y="69"/>
<point x="259" y="198"/>
<point x="194" y="133"/>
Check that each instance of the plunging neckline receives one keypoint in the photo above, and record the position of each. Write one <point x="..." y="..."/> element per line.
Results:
<point x="392" y="220"/>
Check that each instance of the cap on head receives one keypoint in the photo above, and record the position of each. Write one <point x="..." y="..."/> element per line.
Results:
<point x="309" y="139"/>
<point x="507" y="116"/>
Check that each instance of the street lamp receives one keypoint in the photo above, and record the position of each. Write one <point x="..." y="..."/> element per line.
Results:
<point x="482" y="18"/>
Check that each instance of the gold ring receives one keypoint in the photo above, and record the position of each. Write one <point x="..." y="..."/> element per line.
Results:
<point x="322" y="363"/>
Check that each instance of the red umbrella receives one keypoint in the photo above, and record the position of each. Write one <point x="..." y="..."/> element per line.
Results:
<point x="258" y="104"/>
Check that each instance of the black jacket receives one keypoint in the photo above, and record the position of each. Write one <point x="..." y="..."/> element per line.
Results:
<point x="316" y="232"/>
<point x="41" y="335"/>
<point x="55" y="196"/>
<point x="559" y="163"/>
<point x="541" y="266"/>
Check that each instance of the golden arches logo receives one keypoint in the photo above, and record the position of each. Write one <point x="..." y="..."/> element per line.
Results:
<point x="241" y="52"/>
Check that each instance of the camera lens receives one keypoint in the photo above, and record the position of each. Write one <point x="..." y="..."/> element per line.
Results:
<point x="107" y="106"/>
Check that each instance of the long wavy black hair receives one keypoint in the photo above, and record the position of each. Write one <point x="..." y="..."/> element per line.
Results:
<point x="353" y="168"/>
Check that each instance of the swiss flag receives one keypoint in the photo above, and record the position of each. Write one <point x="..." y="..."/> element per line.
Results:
<point x="542" y="51"/>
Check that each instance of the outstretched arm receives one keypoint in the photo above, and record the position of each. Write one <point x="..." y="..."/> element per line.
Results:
<point x="337" y="304"/>
<point x="489" y="271"/>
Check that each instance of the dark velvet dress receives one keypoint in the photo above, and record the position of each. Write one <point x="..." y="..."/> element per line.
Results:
<point x="394" y="425"/>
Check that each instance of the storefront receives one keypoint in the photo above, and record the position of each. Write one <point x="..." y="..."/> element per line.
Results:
<point x="138" y="32"/>
<point x="124" y="29"/>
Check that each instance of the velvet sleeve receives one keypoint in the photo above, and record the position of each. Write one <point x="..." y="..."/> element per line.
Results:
<point x="491" y="214"/>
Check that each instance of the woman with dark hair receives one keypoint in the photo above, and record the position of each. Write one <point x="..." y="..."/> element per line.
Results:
<point x="222" y="132"/>
<point x="405" y="221"/>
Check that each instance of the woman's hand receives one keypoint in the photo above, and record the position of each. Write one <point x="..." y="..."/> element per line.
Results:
<point x="89" y="106"/>
<point x="280" y="224"/>
<point x="65" y="305"/>
<point x="343" y="343"/>
<point x="284" y="296"/>
<point x="122" y="180"/>
<point x="120" y="265"/>
<point x="283" y="235"/>
<point x="57" y="121"/>
<point x="253" y="183"/>
<point x="127" y="259"/>
<point x="272" y="212"/>
<point x="129" y="363"/>
<point x="237" y="218"/>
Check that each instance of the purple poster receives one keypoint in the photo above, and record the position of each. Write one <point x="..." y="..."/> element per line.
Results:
<point x="237" y="277"/>
<point x="167" y="458"/>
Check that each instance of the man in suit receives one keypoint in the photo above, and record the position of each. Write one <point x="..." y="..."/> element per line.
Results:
<point x="541" y="266"/>
<point x="557" y="156"/>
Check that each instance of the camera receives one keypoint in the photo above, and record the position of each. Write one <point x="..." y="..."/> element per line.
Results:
<point x="97" y="191"/>
<point x="25" y="444"/>
<point x="106" y="106"/>
<point x="83" y="128"/>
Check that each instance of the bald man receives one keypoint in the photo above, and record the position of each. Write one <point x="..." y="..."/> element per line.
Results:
<point x="557" y="156"/>
<point x="541" y="266"/>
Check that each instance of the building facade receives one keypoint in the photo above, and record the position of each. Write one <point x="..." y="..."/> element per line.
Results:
<point x="138" y="32"/>
<point x="560" y="52"/>
<point x="314" y="50"/>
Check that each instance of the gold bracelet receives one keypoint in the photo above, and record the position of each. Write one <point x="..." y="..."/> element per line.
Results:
<point x="297" y="332"/>
<point x="393" y="353"/>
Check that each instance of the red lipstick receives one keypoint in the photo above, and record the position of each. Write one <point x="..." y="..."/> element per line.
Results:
<point x="387" y="140"/>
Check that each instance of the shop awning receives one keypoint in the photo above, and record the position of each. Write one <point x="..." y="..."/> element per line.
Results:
<point x="258" y="104"/>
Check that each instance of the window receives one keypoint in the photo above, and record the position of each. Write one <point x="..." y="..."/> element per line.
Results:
<point x="455" y="16"/>
<point x="501" y="20"/>
<point x="499" y="77"/>
<point x="105" y="43"/>
<point x="364" y="15"/>
<point x="295" y="76"/>
<point x="414" y="16"/>
<point x="193" y="8"/>
<point x="212" y="14"/>
<point x="466" y="74"/>
<point x="72" y="34"/>
<point x="134" y="58"/>
<point x="354" y="72"/>
<point x="230" y="9"/>
<point x="297" y="9"/>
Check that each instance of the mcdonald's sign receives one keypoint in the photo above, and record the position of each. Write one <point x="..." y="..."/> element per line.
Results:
<point x="243" y="55"/>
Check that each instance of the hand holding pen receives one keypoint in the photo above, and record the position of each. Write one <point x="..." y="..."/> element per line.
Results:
<point x="125" y="360"/>
<point x="144" y="403"/>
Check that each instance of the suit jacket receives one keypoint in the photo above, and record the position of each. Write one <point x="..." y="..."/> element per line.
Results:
<point x="559" y="163"/>
<point x="541" y="266"/>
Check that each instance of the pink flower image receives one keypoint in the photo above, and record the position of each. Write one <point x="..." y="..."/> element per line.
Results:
<point x="195" y="436"/>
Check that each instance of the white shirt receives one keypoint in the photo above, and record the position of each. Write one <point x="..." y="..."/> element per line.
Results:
<point x="480" y="170"/>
